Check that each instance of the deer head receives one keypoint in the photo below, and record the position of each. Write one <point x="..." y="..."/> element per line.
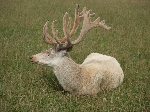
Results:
<point x="64" y="45"/>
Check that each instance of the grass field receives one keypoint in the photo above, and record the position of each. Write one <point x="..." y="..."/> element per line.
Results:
<point x="27" y="87"/>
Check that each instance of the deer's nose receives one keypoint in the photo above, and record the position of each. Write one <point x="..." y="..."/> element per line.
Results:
<point x="33" y="59"/>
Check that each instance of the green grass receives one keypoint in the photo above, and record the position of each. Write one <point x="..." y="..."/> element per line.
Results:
<point x="26" y="87"/>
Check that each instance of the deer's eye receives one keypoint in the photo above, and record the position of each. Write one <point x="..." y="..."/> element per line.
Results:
<point x="52" y="52"/>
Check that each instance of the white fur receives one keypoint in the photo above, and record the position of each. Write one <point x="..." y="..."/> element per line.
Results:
<point x="97" y="57"/>
<point x="108" y="68"/>
<point x="96" y="73"/>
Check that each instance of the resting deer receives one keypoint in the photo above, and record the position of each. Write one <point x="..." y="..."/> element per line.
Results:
<point x="96" y="73"/>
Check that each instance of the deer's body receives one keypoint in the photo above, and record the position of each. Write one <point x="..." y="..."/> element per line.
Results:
<point x="96" y="73"/>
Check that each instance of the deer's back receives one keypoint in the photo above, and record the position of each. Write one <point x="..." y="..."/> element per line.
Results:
<point x="104" y="69"/>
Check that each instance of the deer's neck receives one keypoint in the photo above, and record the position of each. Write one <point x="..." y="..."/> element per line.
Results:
<point x="68" y="74"/>
<point x="66" y="64"/>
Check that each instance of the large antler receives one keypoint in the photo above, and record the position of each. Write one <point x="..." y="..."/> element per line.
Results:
<point x="65" y="43"/>
<point x="88" y="25"/>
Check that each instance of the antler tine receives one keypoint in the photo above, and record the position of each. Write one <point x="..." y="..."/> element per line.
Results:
<point x="98" y="23"/>
<point x="65" y="25"/>
<point x="69" y="24"/>
<point x="88" y="25"/>
<point x="102" y="24"/>
<point x="76" y="20"/>
<point x="48" y="39"/>
<point x="55" y="32"/>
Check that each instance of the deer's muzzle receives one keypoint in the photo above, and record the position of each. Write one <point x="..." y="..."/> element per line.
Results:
<point x="33" y="59"/>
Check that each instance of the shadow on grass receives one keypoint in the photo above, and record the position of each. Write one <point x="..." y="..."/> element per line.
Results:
<point x="52" y="82"/>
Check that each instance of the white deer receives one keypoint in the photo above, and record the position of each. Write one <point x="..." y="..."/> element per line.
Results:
<point x="96" y="73"/>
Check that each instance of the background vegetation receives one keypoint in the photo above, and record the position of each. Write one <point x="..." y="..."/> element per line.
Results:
<point x="26" y="87"/>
